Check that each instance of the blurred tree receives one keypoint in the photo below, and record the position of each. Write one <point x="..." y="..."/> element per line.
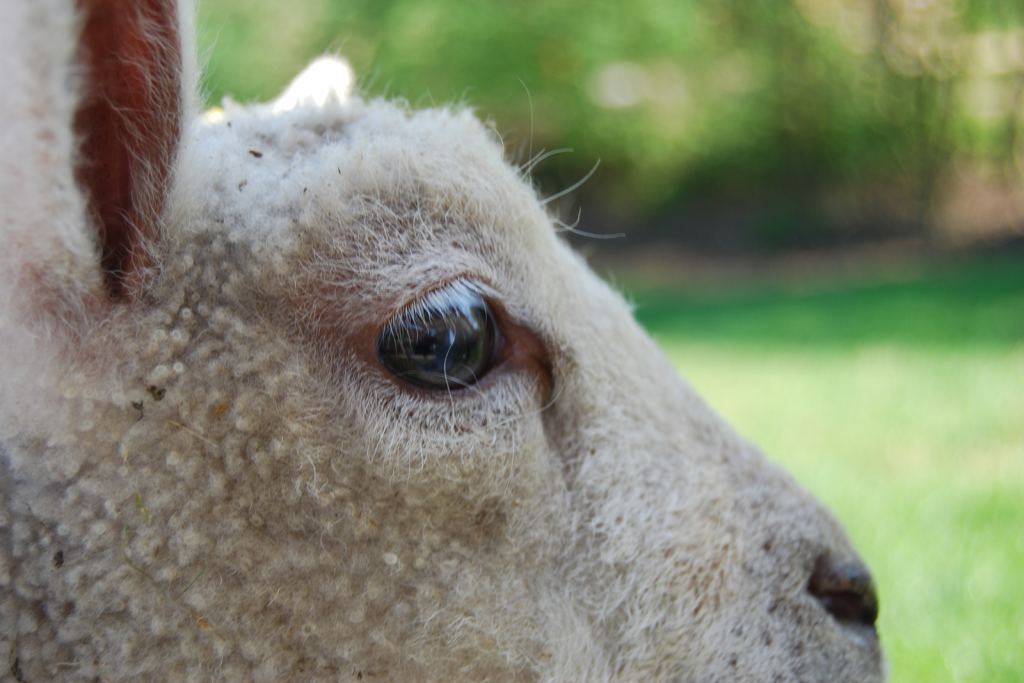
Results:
<point x="847" y="111"/>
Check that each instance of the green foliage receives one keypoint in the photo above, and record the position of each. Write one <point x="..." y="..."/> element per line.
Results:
<point x="681" y="98"/>
<point x="897" y="399"/>
<point x="987" y="14"/>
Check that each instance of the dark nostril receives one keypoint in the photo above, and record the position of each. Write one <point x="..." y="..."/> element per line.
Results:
<point x="845" y="590"/>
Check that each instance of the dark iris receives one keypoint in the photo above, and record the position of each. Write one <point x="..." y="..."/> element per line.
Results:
<point x="446" y="342"/>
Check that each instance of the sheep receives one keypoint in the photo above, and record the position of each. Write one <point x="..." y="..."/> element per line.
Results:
<point x="312" y="391"/>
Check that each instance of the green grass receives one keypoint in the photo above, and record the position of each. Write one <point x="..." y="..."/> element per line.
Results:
<point x="899" y="400"/>
<point x="976" y="303"/>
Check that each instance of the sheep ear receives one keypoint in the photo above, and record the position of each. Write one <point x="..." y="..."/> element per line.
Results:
<point x="91" y="118"/>
<point x="129" y="124"/>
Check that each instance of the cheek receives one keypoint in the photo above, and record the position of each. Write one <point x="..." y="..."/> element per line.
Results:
<point x="487" y="446"/>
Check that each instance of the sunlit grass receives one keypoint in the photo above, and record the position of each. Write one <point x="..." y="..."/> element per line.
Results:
<point x="900" y="403"/>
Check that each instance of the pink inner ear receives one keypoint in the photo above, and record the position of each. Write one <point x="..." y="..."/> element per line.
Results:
<point x="128" y="123"/>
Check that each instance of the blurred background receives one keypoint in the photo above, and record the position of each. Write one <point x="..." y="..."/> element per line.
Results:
<point x="821" y="210"/>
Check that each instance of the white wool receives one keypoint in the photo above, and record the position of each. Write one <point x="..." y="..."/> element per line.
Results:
<point x="215" y="478"/>
<point x="324" y="79"/>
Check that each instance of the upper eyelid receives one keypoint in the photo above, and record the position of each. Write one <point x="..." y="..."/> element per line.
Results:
<point x="444" y="297"/>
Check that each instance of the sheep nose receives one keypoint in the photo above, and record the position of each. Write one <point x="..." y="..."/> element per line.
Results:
<point x="845" y="590"/>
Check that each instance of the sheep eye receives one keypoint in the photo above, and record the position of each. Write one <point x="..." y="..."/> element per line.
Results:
<point x="447" y="341"/>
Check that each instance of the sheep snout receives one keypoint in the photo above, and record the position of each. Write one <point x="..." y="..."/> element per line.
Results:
<point x="846" y="591"/>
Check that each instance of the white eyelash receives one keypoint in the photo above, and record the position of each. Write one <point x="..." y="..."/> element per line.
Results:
<point x="442" y="299"/>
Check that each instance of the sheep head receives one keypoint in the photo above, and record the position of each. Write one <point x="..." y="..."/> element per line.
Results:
<point x="312" y="390"/>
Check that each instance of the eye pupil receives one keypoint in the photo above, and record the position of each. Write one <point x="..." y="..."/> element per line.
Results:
<point x="445" y="342"/>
